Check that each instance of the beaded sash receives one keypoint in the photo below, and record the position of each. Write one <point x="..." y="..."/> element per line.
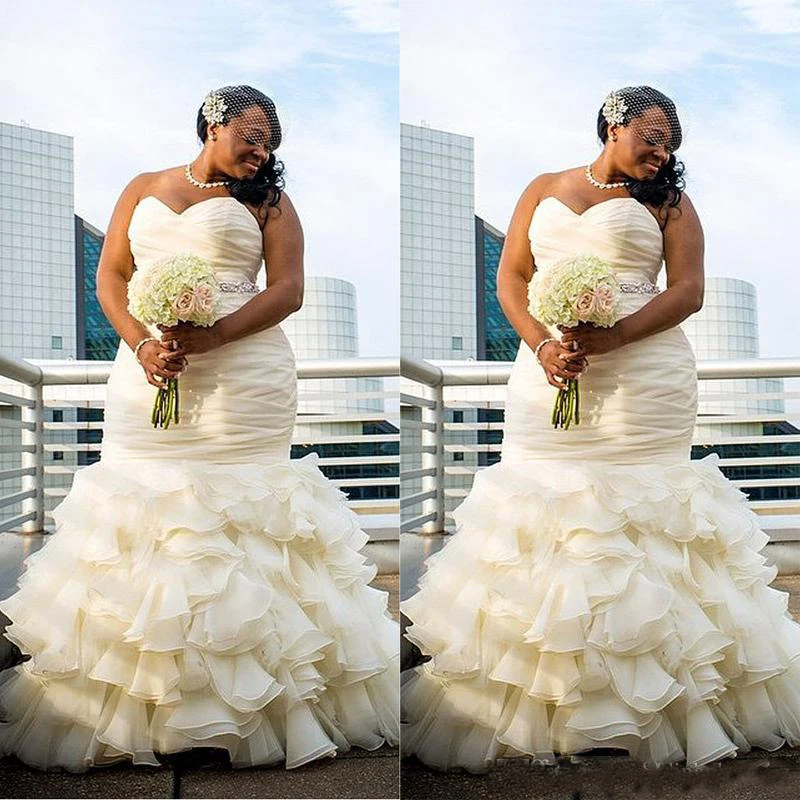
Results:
<point x="638" y="287"/>
<point x="239" y="287"/>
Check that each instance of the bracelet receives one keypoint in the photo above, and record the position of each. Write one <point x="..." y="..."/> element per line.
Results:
<point x="540" y="346"/>
<point x="139" y="345"/>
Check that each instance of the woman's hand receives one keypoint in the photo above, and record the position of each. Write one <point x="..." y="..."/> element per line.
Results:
<point x="559" y="362"/>
<point x="159" y="362"/>
<point x="592" y="340"/>
<point x="186" y="339"/>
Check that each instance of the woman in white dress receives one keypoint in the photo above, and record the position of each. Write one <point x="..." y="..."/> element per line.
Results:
<point x="202" y="589"/>
<point x="602" y="590"/>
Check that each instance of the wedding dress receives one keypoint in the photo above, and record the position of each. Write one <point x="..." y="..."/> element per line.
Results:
<point x="201" y="588"/>
<point x="602" y="590"/>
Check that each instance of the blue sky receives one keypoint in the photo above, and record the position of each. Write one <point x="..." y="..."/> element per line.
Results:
<point x="125" y="79"/>
<point x="525" y="79"/>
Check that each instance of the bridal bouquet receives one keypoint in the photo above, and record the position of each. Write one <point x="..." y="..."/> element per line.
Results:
<point x="579" y="289"/>
<point x="179" y="288"/>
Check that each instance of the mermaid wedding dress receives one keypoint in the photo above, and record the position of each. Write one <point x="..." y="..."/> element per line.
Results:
<point x="201" y="589"/>
<point x="602" y="590"/>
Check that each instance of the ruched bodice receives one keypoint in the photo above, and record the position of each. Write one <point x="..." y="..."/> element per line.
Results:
<point x="620" y="230"/>
<point x="219" y="229"/>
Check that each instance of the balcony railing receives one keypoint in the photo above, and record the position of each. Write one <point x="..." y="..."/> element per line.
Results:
<point x="51" y="424"/>
<point x="452" y="427"/>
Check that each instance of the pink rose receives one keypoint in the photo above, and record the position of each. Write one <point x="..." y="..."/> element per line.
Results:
<point x="184" y="304"/>
<point x="203" y="299"/>
<point x="584" y="305"/>
<point x="605" y="298"/>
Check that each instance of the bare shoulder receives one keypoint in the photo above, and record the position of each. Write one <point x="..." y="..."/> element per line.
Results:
<point x="282" y="209"/>
<point x="681" y="216"/>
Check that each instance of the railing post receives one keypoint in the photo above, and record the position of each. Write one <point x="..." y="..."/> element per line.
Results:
<point x="434" y="440"/>
<point x="35" y="438"/>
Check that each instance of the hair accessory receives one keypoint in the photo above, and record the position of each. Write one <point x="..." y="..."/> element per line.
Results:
<point x="614" y="109"/>
<point x="214" y="108"/>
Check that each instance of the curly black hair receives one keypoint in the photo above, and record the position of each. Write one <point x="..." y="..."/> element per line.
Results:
<point x="268" y="182"/>
<point x="666" y="187"/>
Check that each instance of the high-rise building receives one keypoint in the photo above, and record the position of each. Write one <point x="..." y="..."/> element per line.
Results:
<point x="96" y="338"/>
<point x="437" y="258"/>
<point x="37" y="244"/>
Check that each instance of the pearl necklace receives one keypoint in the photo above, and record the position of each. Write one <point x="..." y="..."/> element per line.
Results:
<point x="201" y="184"/>
<point x="599" y="184"/>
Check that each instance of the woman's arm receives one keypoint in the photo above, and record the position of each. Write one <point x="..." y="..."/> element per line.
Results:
<point x="514" y="273"/>
<point x="113" y="273"/>
<point x="283" y="255"/>
<point x="683" y="257"/>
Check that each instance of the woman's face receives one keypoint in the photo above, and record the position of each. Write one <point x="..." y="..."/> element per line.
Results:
<point x="242" y="146"/>
<point x="643" y="146"/>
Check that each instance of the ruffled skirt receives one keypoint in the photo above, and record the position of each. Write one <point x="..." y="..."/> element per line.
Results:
<point x="599" y="605"/>
<point x="195" y="604"/>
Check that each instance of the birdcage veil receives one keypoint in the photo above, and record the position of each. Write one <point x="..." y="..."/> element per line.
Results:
<point x="653" y="117"/>
<point x="252" y="116"/>
<point x="248" y="112"/>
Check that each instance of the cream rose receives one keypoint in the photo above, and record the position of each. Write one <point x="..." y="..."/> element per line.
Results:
<point x="605" y="298"/>
<point x="184" y="304"/>
<point x="584" y="305"/>
<point x="203" y="299"/>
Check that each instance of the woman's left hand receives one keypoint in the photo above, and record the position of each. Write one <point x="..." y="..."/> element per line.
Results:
<point x="191" y="339"/>
<point x="592" y="340"/>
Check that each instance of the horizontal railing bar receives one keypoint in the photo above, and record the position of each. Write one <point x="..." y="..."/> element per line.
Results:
<point x="17" y="448"/>
<point x="416" y="499"/>
<point x="411" y="474"/>
<point x="17" y="425"/>
<point x="8" y="474"/>
<point x="416" y="425"/>
<point x="15" y="522"/>
<point x="415" y="400"/>
<point x="356" y="438"/>
<point x="16" y="400"/>
<point x="387" y="481"/>
<point x="757" y="483"/>
<point x="18" y="497"/>
<point x="432" y="449"/>
<point x="764" y="439"/>
<point x="417" y="522"/>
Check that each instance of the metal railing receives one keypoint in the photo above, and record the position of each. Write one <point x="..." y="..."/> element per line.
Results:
<point x="431" y="439"/>
<point x="355" y="422"/>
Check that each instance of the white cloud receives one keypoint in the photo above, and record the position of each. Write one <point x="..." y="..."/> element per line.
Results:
<point x="371" y="16"/>
<point x="772" y="16"/>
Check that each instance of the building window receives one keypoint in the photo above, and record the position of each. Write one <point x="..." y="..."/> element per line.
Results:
<point x="56" y="342"/>
<point x="458" y="456"/>
<point x="58" y="455"/>
<point x="458" y="343"/>
<point x="58" y="415"/>
<point x="458" y="416"/>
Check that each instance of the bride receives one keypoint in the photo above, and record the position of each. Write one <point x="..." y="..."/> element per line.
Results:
<point x="202" y="589"/>
<point x="602" y="590"/>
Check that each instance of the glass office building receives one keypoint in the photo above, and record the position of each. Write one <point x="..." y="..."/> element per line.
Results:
<point x="497" y="339"/>
<point x="437" y="254"/>
<point x="96" y="338"/>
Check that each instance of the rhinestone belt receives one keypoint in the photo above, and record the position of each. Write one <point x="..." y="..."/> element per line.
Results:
<point x="240" y="287"/>
<point x="641" y="287"/>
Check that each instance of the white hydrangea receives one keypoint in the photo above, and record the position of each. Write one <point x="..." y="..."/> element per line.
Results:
<point x="179" y="288"/>
<point x="579" y="289"/>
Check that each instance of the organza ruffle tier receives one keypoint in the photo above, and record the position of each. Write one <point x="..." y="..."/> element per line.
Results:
<point x="599" y="605"/>
<point x="190" y="605"/>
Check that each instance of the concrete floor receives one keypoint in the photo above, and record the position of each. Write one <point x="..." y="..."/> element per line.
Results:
<point x="200" y="773"/>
